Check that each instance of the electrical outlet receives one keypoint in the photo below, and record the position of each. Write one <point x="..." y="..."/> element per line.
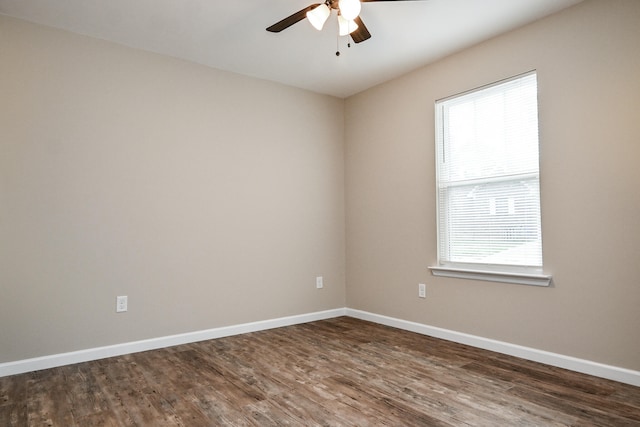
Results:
<point x="319" y="282"/>
<point x="121" y="303"/>
<point x="422" y="290"/>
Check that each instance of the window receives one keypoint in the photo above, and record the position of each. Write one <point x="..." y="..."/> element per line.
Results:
<point x="488" y="184"/>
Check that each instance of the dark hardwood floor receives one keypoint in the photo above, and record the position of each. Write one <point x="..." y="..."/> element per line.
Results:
<point x="338" y="372"/>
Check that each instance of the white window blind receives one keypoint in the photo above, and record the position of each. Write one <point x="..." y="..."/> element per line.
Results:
<point x="488" y="177"/>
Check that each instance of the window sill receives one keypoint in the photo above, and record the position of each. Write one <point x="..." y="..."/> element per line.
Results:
<point x="492" y="276"/>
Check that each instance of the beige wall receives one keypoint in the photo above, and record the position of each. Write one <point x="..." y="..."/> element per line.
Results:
<point x="213" y="199"/>
<point x="208" y="198"/>
<point x="588" y="62"/>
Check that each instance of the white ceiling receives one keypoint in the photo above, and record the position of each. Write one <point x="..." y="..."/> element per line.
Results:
<point x="230" y="34"/>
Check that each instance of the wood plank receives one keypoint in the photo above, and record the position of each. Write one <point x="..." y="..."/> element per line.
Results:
<point x="48" y="400"/>
<point x="13" y="401"/>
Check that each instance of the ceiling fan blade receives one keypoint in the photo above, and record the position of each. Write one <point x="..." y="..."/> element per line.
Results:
<point x="293" y="19"/>
<point x="361" y="33"/>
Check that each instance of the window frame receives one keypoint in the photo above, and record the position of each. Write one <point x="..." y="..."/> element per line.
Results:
<point x="517" y="274"/>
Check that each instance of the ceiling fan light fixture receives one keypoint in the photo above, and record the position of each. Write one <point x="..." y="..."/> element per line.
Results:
<point x="318" y="16"/>
<point x="345" y="26"/>
<point x="349" y="9"/>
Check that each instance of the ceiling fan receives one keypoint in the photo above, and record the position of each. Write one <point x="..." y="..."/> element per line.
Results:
<point x="348" y="11"/>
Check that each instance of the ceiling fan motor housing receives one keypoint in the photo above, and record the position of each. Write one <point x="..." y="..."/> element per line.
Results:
<point x="359" y="35"/>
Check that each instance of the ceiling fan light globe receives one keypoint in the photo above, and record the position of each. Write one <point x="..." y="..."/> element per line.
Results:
<point x="349" y="9"/>
<point x="345" y="26"/>
<point x="318" y="16"/>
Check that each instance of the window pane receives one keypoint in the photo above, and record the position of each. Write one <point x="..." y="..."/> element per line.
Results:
<point x="492" y="132"/>
<point x="494" y="223"/>
<point x="488" y="179"/>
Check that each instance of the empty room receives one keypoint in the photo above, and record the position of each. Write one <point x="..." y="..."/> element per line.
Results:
<point x="350" y="213"/>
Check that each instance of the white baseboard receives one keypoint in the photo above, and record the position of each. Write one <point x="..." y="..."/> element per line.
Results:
<point x="567" y="362"/>
<point x="615" y="373"/>
<point x="52" y="361"/>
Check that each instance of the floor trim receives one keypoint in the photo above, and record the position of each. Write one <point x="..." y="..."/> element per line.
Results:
<point x="615" y="373"/>
<point x="579" y="365"/>
<point x="53" y="361"/>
